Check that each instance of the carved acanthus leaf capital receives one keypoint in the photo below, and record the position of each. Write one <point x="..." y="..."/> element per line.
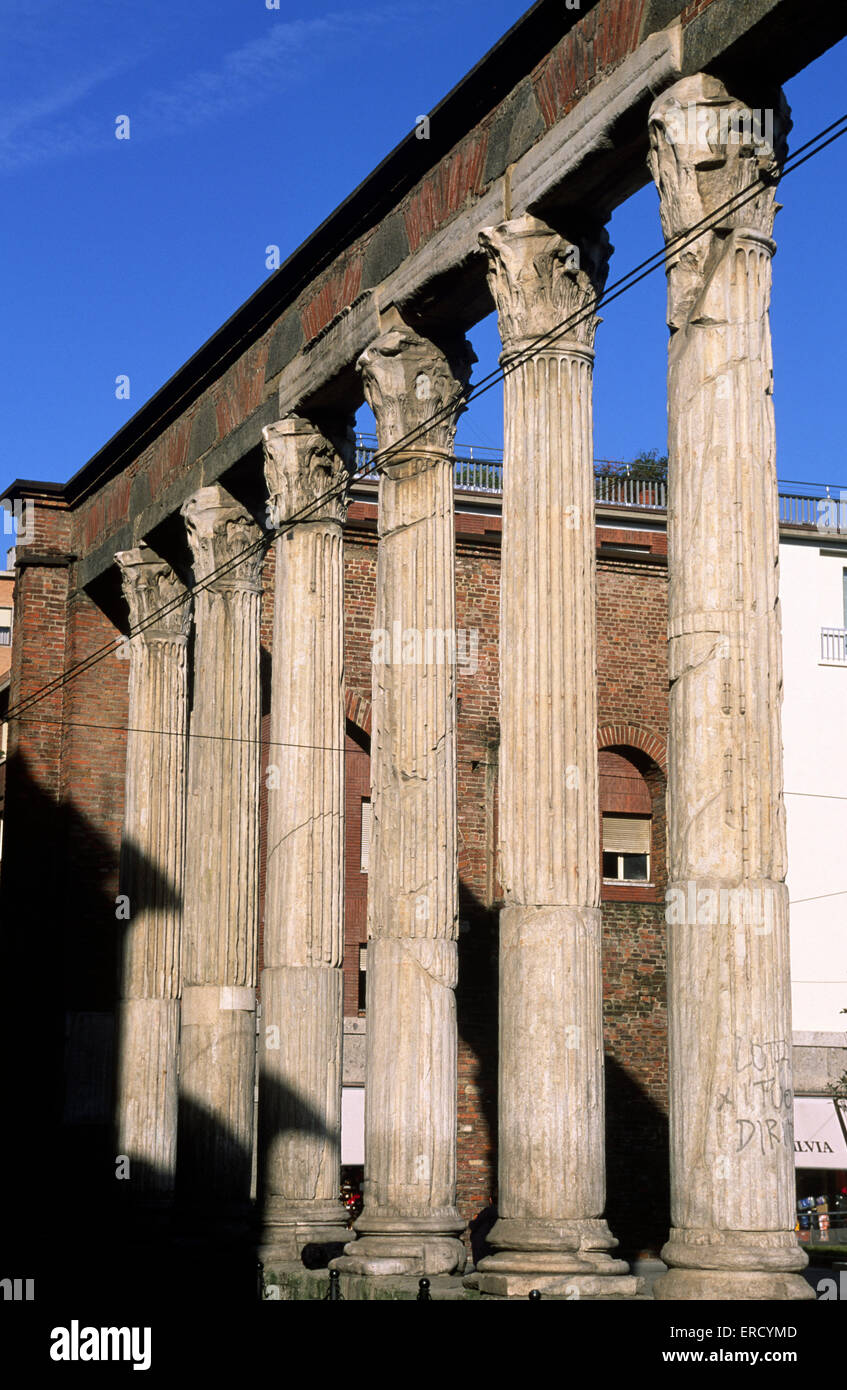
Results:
<point x="220" y="531"/>
<point x="307" y="473"/>
<point x="539" y="280"/>
<point x="706" y="147"/>
<point x="149" y="585"/>
<point x="408" y="382"/>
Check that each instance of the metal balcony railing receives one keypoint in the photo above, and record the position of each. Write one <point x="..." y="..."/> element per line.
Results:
<point x="475" y="470"/>
<point x="480" y="470"/>
<point x="834" y="645"/>
<point x="631" y="492"/>
<point x="795" y="510"/>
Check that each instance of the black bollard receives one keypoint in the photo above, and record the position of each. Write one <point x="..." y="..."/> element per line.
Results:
<point x="333" y="1293"/>
<point x="424" y="1295"/>
<point x="534" y="1294"/>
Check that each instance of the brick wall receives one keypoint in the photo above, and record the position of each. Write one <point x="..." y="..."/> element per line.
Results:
<point x="635" y="1028"/>
<point x="32" y="883"/>
<point x="7" y="600"/>
<point x="632" y="676"/>
<point x="73" y="773"/>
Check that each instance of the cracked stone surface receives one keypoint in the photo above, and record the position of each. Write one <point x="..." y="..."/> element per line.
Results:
<point x="551" y="1100"/>
<point x="151" y="874"/>
<point x="732" y="1160"/>
<point x="302" y="985"/>
<point x="409" y="1224"/>
<point x="221" y="917"/>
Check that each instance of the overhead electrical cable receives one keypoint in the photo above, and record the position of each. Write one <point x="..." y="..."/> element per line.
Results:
<point x="672" y="248"/>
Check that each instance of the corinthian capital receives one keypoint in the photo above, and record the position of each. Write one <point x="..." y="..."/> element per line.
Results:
<point x="409" y="381"/>
<point x="706" y="147"/>
<point x="149" y="584"/>
<point x="220" y="531"/>
<point x="308" y="474"/>
<point x="539" y="280"/>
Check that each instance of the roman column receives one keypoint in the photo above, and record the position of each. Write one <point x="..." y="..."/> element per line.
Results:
<point x="302" y="981"/>
<point x="551" y="1233"/>
<point x="732" y="1152"/>
<point x="222" y="864"/>
<point x="410" y="1223"/>
<point x="150" y="902"/>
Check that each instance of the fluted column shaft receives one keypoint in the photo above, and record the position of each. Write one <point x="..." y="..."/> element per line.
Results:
<point x="302" y="981"/>
<point x="217" y="1055"/>
<point x="732" y="1164"/>
<point x="151" y="874"/>
<point x="410" y="1222"/>
<point x="551" y="1167"/>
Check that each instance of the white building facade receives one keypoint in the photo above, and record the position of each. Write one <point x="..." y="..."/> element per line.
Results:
<point x="813" y="594"/>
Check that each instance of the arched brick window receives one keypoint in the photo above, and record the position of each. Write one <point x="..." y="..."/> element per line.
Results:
<point x="626" y="810"/>
<point x="632" y="819"/>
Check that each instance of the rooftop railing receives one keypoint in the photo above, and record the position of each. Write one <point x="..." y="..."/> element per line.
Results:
<point x="480" y="470"/>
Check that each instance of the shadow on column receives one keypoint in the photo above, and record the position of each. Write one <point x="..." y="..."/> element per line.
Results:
<point x="637" y="1165"/>
<point x="477" y="995"/>
<point x="637" y="1162"/>
<point x="60" y="940"/>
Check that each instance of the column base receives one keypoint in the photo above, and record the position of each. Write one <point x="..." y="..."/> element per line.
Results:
<point x="566" y="1257"/>
<point x="733" y="1265"/>
<point x="414" y="1245"/>
<point x="571" y="1286"/>
<point x="726" y="1285"/>
<point x="309" y="1234"/>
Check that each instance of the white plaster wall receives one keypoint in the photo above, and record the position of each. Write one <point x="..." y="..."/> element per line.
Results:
<point x="352" y="1124"/>
<point x="814" y="724"/>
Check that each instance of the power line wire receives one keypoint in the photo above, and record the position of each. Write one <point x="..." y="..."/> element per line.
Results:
<point x="216" y="738"/>
<point x="821" y="796"/>
<point x="673" y="247"/>
<point x="324" y="748"/>
<point x="816" y="898"/>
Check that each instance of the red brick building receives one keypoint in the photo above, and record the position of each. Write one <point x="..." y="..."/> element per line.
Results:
<point x="406" y="239"/>
<point x="632" y="690"/>
<point x="66" y="788"/>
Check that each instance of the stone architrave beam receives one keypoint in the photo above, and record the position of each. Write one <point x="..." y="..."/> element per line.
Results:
<point x="551" y="1233"/>
<point x="732" y="1152"/>
<point x="151" y="875"/>
<point x="410" y="1224"/>
<point x="217" y="1052"/>
<point x="302" y="983"/>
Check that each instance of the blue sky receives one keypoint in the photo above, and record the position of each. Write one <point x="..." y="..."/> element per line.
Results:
<point x="247" y="127"/>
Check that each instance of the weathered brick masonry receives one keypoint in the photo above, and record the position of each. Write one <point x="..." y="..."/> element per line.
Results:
<point x="292" y="347"/>
<point x="82" y="762"/>
<point x="632" y="685"/>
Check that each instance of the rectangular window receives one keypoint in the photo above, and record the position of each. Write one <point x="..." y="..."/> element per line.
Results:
<point x="626" y="848"/>
<point x="844" y="586"/>
<point x="363" y="977"/>
<point x="5" y="627"/>
<point x="366" y="836"/>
